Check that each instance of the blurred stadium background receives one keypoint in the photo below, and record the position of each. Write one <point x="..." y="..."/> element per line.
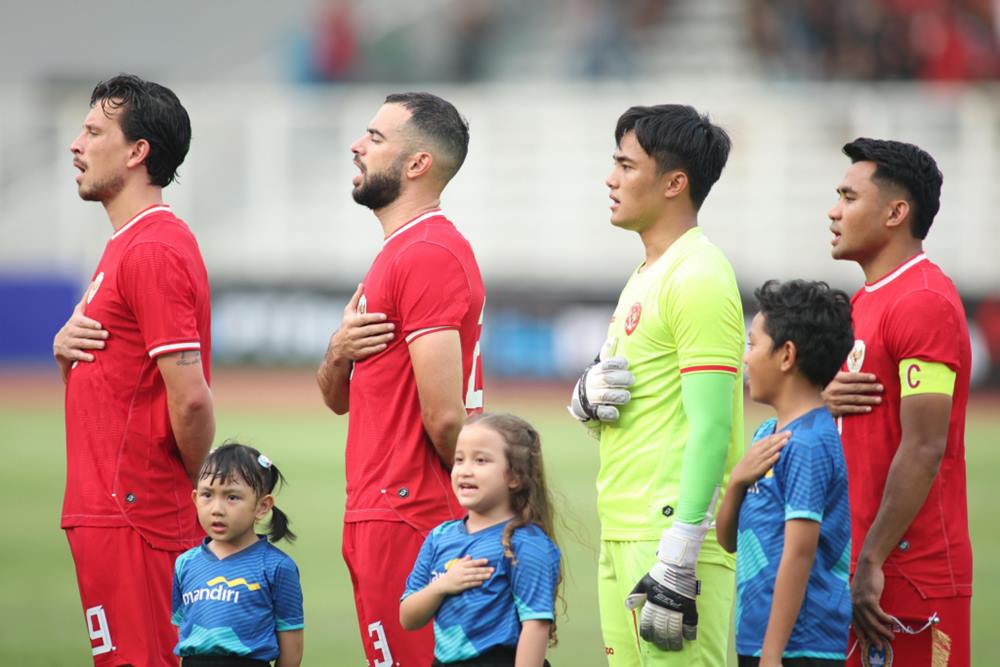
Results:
<point x="277" y="91"/>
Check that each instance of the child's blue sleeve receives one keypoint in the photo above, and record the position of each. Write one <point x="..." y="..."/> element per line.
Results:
<point x="177" y="603"/>
<point x="534" y="576"/>
<point x="420" y="576"/>
<point x="805" y="470"/>
<point x="286" y="592"/>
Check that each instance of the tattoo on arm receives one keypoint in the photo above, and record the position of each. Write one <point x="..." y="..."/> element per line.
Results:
<point x="189" y="358"/>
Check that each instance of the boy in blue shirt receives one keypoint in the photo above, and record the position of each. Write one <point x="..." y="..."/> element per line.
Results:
<point x="786" y="508"/>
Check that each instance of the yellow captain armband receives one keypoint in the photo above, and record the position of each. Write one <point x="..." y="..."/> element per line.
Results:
<point x="917" y="376"/>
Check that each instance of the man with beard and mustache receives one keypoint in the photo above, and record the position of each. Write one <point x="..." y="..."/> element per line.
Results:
<point x="135" y="359"/>
<point x="405" y="363"/>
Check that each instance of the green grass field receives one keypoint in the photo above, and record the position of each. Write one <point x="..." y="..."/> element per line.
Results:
<point x="41" y="624"/>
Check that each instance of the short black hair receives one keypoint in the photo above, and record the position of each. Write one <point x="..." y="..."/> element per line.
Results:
<point x="908" y="167"/>
<point x="676" y="136"/>
<point x="152" y="112"/>
<point x="438" y="120"/>
<point x="234" y="461"/>
<point x="815" y="317"/>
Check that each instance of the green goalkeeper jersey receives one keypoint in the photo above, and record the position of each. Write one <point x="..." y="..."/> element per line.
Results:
<point x="682" y="314"/>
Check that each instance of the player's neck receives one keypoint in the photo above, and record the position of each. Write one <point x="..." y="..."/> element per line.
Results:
<point x="658" y="237"/>
<point x="131" y="200"/>
<point x="795" y="399"/>
<point x="890" y="258"/>
<point x="406" y="207"/>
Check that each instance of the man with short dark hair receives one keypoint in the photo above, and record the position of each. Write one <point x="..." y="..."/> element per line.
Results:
<point x="667" y="445"/>
<point x="135" y="358"/>
<point x="901" y="403"/>
<point x="405" y="363"/>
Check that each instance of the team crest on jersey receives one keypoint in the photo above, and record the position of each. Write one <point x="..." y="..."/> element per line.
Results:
<point x="857" y="356"/>
<point x="96" y="285"/>
<point x="632" y="321"/>
<point x="362" y="305"/>
<point x="875" y="657"/>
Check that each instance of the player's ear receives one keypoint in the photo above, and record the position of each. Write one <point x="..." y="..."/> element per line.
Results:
<point x="194" y="495"/>
<point x="138" y="153"/>
<point x="899" y="213"/>
<point x="264" y="505"/>
<point x="673" y="183"/>
<point x="419" y="164"/>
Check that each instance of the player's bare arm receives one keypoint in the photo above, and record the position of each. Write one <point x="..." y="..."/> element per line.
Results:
<point x="192" y="411"/>
<point x="924" y="420"/>
<point x="437" y="368"/>
<point x="360" y="335"/>
<point x="532" y="643"/>
<point x="852" y="393"/>
<point x="417" y="609"/>
<point x="755" y="463"/>
<point x="290" y="644"/>
<point x="797" y="556"/>
<point x="79" y="334"/>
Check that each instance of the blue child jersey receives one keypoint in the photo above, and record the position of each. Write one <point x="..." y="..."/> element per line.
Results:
<point x="490" y="615"/>
<point x="809" y="481"/>
<point x="234" y="606"/>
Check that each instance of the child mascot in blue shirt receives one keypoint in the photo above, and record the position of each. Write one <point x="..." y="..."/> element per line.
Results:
<point x="237" y="600"/>
<point x="786" y="507"/>
<point x="489" y="581"/>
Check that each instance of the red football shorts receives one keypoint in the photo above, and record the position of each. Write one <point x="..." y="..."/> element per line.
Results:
<point x="926" y="644"/>
<point x="380" y="556"/>
<point x="125" y="586"/>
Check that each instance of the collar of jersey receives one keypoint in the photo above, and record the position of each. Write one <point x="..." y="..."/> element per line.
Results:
<point x="208" y="552"/>
<point x="146" y="212"/>
<point x="495" y="527"/>
<point x="895" y="274"/>
<point x="412" y="223"/>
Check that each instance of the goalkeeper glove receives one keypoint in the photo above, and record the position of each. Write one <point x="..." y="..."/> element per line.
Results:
<point x="670" y="614"/>
<point x="602" y="387"/>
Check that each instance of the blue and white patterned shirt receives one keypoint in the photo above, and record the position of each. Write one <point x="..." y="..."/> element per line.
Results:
<point x="236" y="605"/>
<point x="809" y="481"/>
<point x="480" y="618"/>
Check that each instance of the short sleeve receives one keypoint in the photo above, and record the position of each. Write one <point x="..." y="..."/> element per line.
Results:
<point x="922" y="325"/>
<point x="155" y="282"/>
<point x="805" y="472"/>
<point x="286" y="592"/>
<point x="703" y="310"/>
<point x="420" y="576"/>
<point x="177" y="603"/>
<point x="534" y="576"/>
<point x="431" y="290"/>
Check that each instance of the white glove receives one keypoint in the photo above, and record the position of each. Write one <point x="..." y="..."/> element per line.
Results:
<point x="670" y="614"/>
<point x="601" y="389"/>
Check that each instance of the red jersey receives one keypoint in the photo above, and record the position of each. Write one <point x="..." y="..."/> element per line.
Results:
<point x="425" y="279"/>
<point x="913" y="313"/>
<point x="150" y="292"/>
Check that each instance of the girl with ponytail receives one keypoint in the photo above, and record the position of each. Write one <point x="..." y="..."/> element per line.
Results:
<point x="490" y="580"/>
<point x="237" y="600"/>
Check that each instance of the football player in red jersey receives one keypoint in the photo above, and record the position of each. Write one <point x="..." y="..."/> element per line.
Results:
<point x="405" y="363"/>
<point x="901" y="402"/>
<point x="135" y="358"/>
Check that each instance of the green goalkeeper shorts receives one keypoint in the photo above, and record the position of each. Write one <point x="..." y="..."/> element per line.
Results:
<point x="621" y="566"/>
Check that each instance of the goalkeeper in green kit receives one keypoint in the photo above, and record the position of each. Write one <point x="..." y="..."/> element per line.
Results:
<point x="666" y="400"/>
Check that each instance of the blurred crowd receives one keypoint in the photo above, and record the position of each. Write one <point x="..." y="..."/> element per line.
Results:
<point x="934" y="40"/>
<point x="464" y="40"/>
<point x="472" y="40"/>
